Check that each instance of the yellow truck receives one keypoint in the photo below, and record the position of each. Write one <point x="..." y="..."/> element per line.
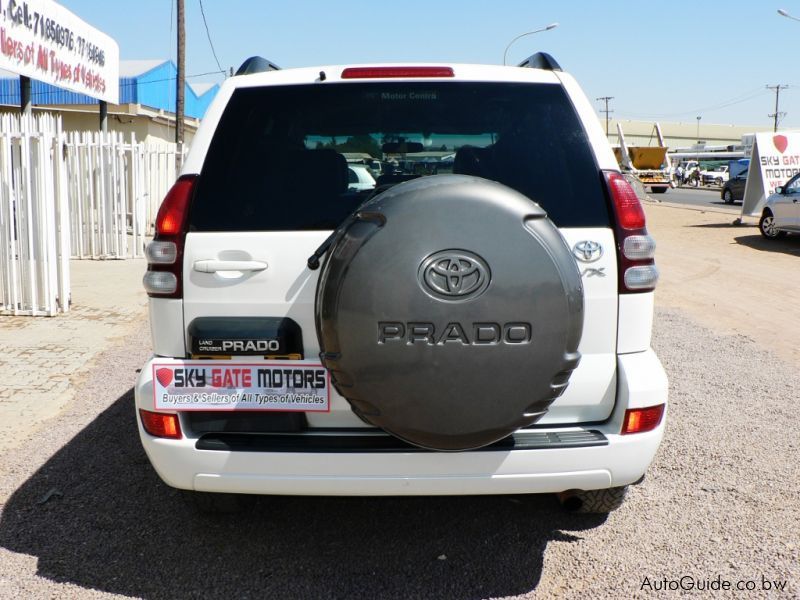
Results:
<point x="649" y="164"/>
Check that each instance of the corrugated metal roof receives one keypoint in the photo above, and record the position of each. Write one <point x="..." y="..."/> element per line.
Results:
<point x="147" y="82"/>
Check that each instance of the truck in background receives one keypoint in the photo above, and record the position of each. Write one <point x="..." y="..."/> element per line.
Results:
<point x="648" y="164"/>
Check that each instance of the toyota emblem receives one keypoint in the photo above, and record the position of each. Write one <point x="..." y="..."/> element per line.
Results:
<point x="587" y="251"/>
<point x="454" y="275"/>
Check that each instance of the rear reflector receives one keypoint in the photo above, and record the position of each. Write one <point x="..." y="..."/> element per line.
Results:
<point x="160" y="424"/>
<point x="640" y="420"/>
<point x="388" y="72"/>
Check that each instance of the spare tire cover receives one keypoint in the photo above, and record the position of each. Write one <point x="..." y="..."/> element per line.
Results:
<point x="449" y="312"/>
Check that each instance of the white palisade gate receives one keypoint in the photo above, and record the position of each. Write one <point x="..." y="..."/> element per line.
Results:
<point x="115" y="189"/>
<point x="34" y="232"/>
<point x="80" y="195"/>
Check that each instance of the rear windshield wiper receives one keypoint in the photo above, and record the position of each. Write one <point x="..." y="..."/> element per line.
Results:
<point x="313" y="261"/>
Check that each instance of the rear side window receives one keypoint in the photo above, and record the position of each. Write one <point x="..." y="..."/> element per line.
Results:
<point x="279" y="158"/>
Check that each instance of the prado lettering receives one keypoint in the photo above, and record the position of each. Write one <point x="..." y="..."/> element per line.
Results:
<point x="473" y="334"/>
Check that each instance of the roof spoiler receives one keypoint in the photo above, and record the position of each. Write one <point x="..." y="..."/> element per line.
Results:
<point x="257" y="64"/>
<point x="541" y="60"/>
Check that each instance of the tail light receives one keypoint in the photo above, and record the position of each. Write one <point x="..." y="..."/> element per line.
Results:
<point x="164" y="277"/>
<point x="161" y="425"/>
<point x="640" y="420"/>
<point x="635" y="247"/>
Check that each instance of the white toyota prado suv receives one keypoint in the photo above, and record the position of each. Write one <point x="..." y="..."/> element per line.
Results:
<point x="478" y="322"/>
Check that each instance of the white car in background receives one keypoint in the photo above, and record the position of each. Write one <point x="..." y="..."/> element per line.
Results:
<point x="716" y="176"/>
<point x="781" y="213"/>
<point x="359" y="177"/>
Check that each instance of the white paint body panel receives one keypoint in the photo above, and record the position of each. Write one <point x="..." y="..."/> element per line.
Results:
<point x="166" y="326"/>
<point x="635" y="322"/>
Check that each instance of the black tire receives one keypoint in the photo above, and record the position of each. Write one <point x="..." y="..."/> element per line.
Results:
<point x="594" y="501"/>
<point x="659" y="190"/>
<point x="207" y="503"/>
<point x="727" y="196"/>
<point x="718" y="181"/>
<point x="409" y="352"/>
<point x="766" y="225"/>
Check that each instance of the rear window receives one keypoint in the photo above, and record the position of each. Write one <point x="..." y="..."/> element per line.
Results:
<point x="279" y="158"/>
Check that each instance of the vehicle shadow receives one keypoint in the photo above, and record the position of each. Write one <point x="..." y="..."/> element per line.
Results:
<point x="115" y="527"/>
<point x="726" y="225"/>
<point x="786" y="245"/>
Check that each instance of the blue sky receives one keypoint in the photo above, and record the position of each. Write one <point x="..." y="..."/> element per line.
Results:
<point x="670" y="61"/>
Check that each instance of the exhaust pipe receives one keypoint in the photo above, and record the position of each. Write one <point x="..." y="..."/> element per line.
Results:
<point x="570" y="500"/>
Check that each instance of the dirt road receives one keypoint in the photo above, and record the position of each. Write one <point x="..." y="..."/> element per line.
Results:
<point x="83" y="515"/>
<point x="728" y="277"/>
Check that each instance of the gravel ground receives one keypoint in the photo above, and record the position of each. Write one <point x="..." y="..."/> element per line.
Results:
<point x="83" y="514"/>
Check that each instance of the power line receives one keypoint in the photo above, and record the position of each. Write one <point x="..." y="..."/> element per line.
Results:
<point x="746" y="97"/>
<point x="606" y="99"/>
<point x="208" y="34"/>
<point x="777" y="115"/>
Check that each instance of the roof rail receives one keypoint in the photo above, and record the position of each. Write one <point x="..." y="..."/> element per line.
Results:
<point x="540" y="60"/>
<point x="257" y="64"/>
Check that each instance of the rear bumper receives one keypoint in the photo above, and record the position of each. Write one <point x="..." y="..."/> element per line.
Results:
<point x="623" y="460"/>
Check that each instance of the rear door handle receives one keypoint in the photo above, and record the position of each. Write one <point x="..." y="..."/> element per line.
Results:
<point x="213" y="266"/>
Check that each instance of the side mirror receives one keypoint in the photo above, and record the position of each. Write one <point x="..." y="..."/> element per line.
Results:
<point x="779" y="189"/>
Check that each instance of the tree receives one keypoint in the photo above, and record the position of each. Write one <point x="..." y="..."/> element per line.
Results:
<point x="360" y="143"/>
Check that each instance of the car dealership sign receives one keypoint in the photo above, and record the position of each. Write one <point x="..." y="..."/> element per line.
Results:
<point x="43" y="40"/>
<point x="775" y="160"/>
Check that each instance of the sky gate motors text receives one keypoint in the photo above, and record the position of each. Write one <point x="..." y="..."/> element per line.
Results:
<point x="231" y="377"/>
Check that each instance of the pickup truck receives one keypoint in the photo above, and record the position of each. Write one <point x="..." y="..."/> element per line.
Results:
<point x="717" y="176"/>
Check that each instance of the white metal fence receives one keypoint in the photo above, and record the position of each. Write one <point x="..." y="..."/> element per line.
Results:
<point x="115" y="189"/>
<point x="34" y="236"/>
<point x="76" y="195"/>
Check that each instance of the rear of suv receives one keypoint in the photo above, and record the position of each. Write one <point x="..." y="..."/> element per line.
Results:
<point x="478" y="322"/>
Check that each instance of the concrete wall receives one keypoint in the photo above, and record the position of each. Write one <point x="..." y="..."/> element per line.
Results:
<point x="145" y="127"/>
<point x="679" y="135"/>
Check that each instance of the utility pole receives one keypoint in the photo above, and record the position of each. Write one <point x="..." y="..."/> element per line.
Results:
<point x="606" y="99"/>
<point x="103" y="116"/>
<point x="25" y="95"/>
<point x="180" y="85"/>
<point x="777" y="115"/>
